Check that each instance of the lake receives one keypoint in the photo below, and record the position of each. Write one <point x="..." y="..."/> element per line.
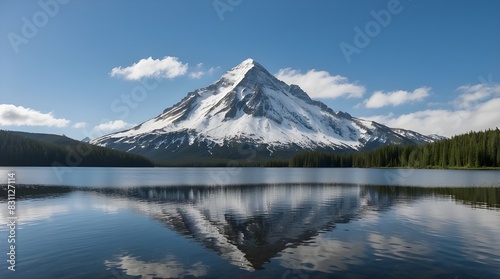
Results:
<point x="252" y="223"/>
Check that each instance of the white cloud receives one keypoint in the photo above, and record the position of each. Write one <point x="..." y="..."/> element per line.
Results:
<point x="196" y="75"/>
<point x="395" y="98"/>
<point x="320" y="84"/>
<point x="80" y="125"/>
<point x="21" y="116"/>
<point x="475" y="93"/>
<point x="169" y="267"/>
<point x="36" y="211"/>
<point x="483" y="116"/>
<point x="112" y="125"/>
<point x="476" y="110"/>
<point x="168" y="67"/>
<point x="199" y="72"/>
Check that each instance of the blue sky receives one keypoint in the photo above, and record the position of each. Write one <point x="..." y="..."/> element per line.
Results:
<point x="429" y="66"/>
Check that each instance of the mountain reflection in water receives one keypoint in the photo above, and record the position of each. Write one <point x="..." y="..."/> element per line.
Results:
<point x="250" y="226"/>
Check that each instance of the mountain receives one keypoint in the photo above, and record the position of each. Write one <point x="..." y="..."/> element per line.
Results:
<point x="249" y="114"/>
<point x="32" y="149"/>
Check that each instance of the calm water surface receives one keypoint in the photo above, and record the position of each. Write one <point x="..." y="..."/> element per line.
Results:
<point x="252" y="222"/>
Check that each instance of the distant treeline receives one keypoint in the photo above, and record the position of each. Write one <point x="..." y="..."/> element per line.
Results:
<point x="27" y="149"/>
<point x="471" y="150"/>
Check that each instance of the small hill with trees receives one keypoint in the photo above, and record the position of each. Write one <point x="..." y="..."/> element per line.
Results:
<point x="31" y="149"/>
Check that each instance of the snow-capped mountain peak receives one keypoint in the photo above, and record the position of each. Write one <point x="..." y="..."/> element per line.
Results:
<point x="247" y="73"/>
<point x="250" y="106"/>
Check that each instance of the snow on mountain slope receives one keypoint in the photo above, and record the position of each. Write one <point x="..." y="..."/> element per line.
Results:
<point x="249" y="105"/>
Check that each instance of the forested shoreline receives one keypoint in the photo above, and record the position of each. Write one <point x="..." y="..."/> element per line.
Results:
<point x="21" y="149"/>
<point x="474" y="150"/>
<point x="471" y="150"/>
